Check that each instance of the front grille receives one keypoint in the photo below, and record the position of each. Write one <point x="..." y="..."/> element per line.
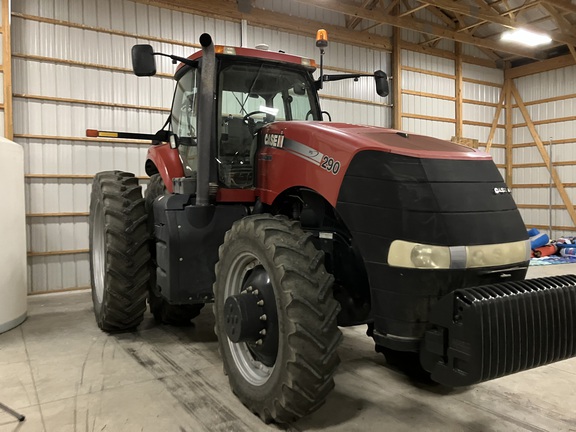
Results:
<point x="490" y="331"/>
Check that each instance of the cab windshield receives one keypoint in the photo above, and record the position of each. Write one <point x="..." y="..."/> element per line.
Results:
<point x="251" y="95"/>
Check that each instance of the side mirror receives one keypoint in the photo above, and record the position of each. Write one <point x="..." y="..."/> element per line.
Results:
<point x="143" y="62"/>
<point x="381" y="80"/>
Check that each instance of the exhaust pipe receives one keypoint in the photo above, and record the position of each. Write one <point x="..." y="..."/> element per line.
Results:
<point x="205" y="119"/>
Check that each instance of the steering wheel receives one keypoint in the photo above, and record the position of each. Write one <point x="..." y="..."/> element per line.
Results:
<point x="309" y="113"/>
<point x="250" y="114"/>
<point x="252" y="124"/>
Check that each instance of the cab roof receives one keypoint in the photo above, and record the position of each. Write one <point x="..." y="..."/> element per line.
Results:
<point x="222" y="50"/>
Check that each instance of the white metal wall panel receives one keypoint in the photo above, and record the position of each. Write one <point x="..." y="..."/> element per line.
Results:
<point x="499" y="157"/>
<point x="427" y="62"/>
<point x="428" y="106"/>
<point x="534" y="88"/>
<point x="483" y="73"/>
<point x="471" y="50"/>
<point x="481" y="93"/>
<point x="547" y="84"/>
<point x="439" y="130"/>
<point x="431" y="84"/>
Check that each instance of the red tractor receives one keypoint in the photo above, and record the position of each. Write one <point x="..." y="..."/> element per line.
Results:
<point x="292" y="227"/>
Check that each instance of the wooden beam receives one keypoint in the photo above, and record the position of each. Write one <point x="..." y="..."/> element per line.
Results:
<point x="509" y="134"/>
<point x="542" y="66"/>
<point x="494" y="126"/>
<point x="7" y="70"/>
<point x="448" y="54"/>
<point x="354" y="21"/>
<point x="61" y="214"/>
<point x="562" y="24"/>
<point x="56" y="253"/>
<point x="545" y="157"/>
<point x="228" y="10"/>
<point x="458" y="84"/>
<point x="493" y="17"/>
<point x="83" y="139"/>
<point x="566" y="5"/>
<point x="89" y="102"/>
<point x="547" y="121"/>
<point x="347" y="8"/>
<point x="540" y="185"/>
<point x="62" y="290"/>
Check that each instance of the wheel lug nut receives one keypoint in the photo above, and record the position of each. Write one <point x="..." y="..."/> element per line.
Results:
<point x="249" y="289"/>
<point x="260" y="303"/>
<point x="262" y="332"/>
<point x="263" y="317"/>
<point x="259" y="342"/>
<point x="255" y="292"/>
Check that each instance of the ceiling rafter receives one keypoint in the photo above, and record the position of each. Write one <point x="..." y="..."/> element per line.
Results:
<point x="451" y="23"/>
<point x="567" y="5"/>
<point x="352" y="22"/>
<point x="493" y="17"/>
<point x="352" y="9"/>
<point x="561" y="22"/>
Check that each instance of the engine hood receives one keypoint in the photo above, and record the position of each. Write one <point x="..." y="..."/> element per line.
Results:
<point x="353" y="138"/>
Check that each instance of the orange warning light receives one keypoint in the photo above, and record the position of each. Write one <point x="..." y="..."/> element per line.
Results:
<point x="321" y="38"/>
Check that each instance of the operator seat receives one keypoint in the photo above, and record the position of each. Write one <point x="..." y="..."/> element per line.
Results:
<point x="238" y="140"/>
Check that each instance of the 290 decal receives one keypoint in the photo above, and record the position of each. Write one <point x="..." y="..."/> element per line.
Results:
<point x="330" y="164"/>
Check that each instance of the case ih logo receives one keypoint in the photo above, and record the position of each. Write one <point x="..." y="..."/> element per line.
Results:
<point x="498" y="191"/>
<point x="274" y="140"/>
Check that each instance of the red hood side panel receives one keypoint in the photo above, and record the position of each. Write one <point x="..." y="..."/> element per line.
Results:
<point x="316" y="155"/>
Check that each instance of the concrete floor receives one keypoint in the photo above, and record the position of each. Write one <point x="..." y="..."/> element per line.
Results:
<point x="64" y="374"/>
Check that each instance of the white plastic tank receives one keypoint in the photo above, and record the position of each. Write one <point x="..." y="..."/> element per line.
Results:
<point x="13" y="287"/>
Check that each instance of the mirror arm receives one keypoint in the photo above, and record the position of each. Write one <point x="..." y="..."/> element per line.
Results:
<point x="344" y="76"/>
<point x="175" y="59"/>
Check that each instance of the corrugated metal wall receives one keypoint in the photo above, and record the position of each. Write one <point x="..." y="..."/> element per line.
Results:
<point x="429" y="99"/>
<point x="550" y="102"/>
<point x="71" y="61"/>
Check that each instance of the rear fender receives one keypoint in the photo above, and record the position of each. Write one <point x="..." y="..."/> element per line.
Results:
<point x="167" y="163"/>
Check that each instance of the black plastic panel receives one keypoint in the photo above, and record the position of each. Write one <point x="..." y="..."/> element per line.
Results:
<point x="386" y="197"/>
<point x="187" y="241"/>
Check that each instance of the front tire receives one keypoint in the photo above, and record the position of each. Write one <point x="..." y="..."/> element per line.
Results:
<point x="288" y="372"/>
<point x="119" y="257"/>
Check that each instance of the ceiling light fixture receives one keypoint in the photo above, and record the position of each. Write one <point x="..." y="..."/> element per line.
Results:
<point x="526" y="37"/>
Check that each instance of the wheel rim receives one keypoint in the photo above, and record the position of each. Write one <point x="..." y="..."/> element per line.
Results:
<point x="252" y="370"/>
<point x="99" y="251"/>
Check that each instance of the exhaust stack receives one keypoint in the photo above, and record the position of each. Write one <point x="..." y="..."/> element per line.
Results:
<point x="205" y="119"/>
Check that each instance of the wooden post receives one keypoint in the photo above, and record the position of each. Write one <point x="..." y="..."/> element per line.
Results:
<point x="509" y="134"/>
<point x="458" y="82"/>
<point x="543" y="153"/>
<point x="496" y="119"/>
<point x="7" y="70"/>
<point x="397" y="78"/>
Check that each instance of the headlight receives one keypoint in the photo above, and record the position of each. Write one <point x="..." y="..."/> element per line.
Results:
<point x="416" y="255"/>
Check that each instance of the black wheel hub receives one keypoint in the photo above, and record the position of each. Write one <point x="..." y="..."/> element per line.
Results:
<point x="251" y="316"/>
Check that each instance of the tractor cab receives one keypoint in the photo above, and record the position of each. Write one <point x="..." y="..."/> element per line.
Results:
<point x="253" y="88"/>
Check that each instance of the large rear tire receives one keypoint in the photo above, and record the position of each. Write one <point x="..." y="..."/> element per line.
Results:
<point x="119" y="257"/>
<point x="164" y="312"/>
<point x="288" y="372"/>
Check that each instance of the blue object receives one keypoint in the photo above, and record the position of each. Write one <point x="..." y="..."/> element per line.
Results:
<point x="539" y="240"/>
